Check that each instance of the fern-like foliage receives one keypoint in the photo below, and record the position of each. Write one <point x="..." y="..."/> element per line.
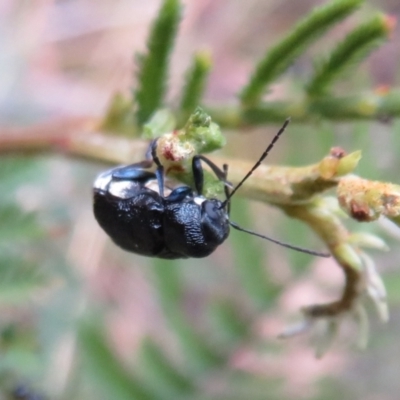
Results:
<point x="278" y="58"/>
<point x="357" y="45"/>
<point x="153" y="66"/>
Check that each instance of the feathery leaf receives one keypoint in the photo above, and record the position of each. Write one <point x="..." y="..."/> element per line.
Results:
<point x="152" y="74"/>
<point x="356" y="46"/>
<point x="282" y="55"/>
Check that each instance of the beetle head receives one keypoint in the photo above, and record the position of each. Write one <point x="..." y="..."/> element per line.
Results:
<point x="214" y="220"/>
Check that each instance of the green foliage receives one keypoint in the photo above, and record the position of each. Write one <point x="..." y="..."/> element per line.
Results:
<point x="281" y="56"/>
<point x="198" y="352"/>
<point x="19" y="280"/>
<point x="317" y="102"/>
<point x="20" y="276"/>
<point x="161" y="374"/>
<point x="370" y="106"/>
<point x="119" y="117"/>
<point x="110" y="377"/>
<point x="205" y="135"/>
<point x="356" y="46"/>
<point x="249" y="261"/>
<point x="16" y="224"/>
<point x="196" y="79"/>
<point x="152" y="74"/>
<point x="228" y="323"/>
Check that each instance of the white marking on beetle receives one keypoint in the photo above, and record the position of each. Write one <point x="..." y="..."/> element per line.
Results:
<point x="122" y="189"/>
<point x="103" y="180"/>
<point x="199" y="200"/>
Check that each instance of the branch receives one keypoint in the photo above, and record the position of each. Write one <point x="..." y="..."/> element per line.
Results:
<point x="380" y="105"/>
<point x="75" y="137"/>
<point x="296" y="190"/>
<point x="366" y="200"/>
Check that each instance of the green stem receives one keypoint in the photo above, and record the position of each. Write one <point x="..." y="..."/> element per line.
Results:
<point x="368" y="106"/>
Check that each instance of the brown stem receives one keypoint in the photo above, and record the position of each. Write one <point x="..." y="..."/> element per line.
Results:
<point x="72" y="136"/>
<point x="79" y="137"/>
<point x="291" y="189"/>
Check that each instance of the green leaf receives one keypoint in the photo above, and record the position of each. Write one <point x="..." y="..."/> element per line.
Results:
<point x="196" y="79"/>
<point x="169" y="282"/>
<point x="119" y="117"/>
<point x="249" y="260"/>
<point x="152" y="74"/>
<point x="161" y="372"/>
<point x="15" y="171"/>
<point x="17" y="225"/>
<point x="228" y="322"/>
<point x="19" y="280"/>
<point x="357" y="45"/>
<point x="199" y="354"/>
<point x="282" y="55"/>
<point x="21" y="359"/>
<point x="110" y="377"/>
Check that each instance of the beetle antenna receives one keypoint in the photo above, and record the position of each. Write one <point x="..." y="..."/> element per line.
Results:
<point x="258" y="163"/>
<point x="289" y="246"/>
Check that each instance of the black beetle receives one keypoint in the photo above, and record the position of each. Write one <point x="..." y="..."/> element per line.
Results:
<point x="145" y="213"/>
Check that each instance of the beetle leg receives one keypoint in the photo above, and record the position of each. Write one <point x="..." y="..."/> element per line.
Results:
<point x="137" y="170"/>
<point x="226" y="189"/>
<point x="134" y="171"/>
<point x="221" y="174"/>
<point x="149" y="153"/>
<point x="153" y="152"/>
<point x="198" y="174"/>
<point x="160" y="168"/>
<point x="160" y="179"/>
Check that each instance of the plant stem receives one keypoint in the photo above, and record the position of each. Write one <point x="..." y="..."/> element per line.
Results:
<point x="366" y="106"/>
<point x="75" y="137"/>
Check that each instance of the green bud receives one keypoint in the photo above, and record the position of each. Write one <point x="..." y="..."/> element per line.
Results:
<point x="204" y="134"/>
<point x="363" y="239"/>
<point x="348" y="256"/>
<point x="348" y="163"/>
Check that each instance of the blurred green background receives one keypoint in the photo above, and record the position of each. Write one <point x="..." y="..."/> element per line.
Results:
<point x="81" y="319"/>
